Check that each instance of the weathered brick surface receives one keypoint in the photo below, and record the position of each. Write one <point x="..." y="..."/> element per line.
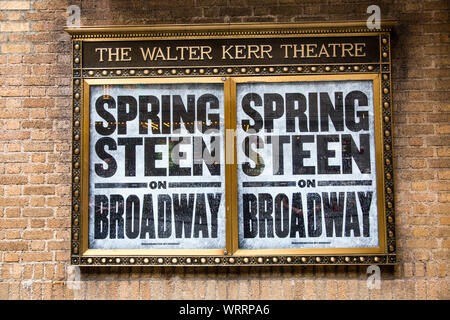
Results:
<point x="35" y="97"/>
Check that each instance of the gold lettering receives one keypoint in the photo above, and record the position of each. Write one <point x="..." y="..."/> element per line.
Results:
<point x="239" y="49"/>
<point x="253" y="49"/>
<point x="310" y="50"/>
<point x="348" y="50"/>
<point x="193" y="53"/>
<point x="323" y="51"/>
<point x="168" y="50"/>
<point x="113" y="54"/>
<point x="160" y="54"/>
<point x="182" y="50"/>
<point x="358" y="48"/>
<point x="266" y="49"/>
<point x="124" y="54"/>
<point x="205" y="50"/>
<point x="225" y="51"/>
<point x="286" y="48"/>
<point x="334" y="45"/>
<point x="101" y="50"/>
<point x="148" y="53"/>
<point x="301" y="50"/>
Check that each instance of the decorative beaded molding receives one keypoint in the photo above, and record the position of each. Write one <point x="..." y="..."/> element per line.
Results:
<point x="237" y="261"/>
<point x="224" y="30"/>
<point x="230" y="71"/>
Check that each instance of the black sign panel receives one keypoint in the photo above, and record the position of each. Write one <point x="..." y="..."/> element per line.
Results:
<point x="212" y="52"/>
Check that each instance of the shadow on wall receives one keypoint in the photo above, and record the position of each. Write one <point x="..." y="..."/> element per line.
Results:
<point x="140" y="12"/>
<point x="241" y="272"/>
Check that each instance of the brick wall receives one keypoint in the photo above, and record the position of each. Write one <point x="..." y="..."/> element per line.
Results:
<point x="35" y="118"/>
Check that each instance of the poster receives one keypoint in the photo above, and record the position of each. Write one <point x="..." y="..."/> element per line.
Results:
<point x="306" y="165"/>
<point x="156" y="166"/>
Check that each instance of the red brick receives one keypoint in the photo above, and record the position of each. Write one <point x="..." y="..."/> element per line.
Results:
<point x="11" y="257"/>
<point x="38" y="102"/>
<point x="37" y="212"/>
<point x="37" y="234"/>
<point x="37" y="256"/>
<point x="13" y="223"/>
<point x="39" y="190"/>
<point x="13" y="245"/>
<point x="43" y="147"/>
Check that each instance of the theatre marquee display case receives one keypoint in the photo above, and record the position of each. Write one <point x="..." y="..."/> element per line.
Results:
<point x="232" y="144"/>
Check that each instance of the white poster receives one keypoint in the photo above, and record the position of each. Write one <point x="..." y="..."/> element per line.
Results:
<point x="156" y="166"/>
<point x="306" y="165"/>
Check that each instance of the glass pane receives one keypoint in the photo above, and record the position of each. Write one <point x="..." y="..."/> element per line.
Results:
<point x="156" y="168"/>
<point x="306" y="165"/>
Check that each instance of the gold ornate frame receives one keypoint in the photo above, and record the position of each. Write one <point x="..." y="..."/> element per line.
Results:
<point x="379" y="73"/>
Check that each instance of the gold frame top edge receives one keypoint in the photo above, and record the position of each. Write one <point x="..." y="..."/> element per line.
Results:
<point x="228" y="27"/>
